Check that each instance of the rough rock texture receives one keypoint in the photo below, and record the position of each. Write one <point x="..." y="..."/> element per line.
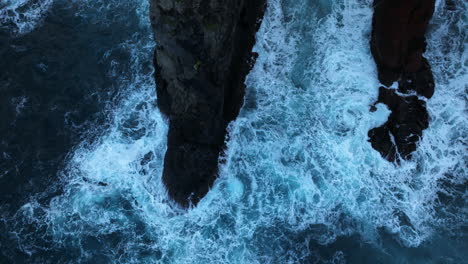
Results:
<point x="203" y="55"/>
<point x="398" y="43"/>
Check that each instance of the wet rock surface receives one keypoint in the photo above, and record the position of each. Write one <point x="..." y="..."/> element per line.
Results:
<point x="398" y="44"/>
<point x="203" y="55"/>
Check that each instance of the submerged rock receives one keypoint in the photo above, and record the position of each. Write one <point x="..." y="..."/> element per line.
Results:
<point x="203" y="55"/>
<point x="398" y="44"/>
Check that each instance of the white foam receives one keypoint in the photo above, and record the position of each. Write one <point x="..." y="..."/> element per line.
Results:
<point x="23" y="16"/>
<point x="298" y="166"/>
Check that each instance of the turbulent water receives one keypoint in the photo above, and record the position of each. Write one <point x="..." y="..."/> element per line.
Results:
<point x="83" y="144"/>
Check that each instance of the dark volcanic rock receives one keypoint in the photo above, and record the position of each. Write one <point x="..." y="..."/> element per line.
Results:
<point x="203" y="55"/>
<point x="398" y="43"/>
<point x="398" y="137"/>
<point x="421" y="81"/>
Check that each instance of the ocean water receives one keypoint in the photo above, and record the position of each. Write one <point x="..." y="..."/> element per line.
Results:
<point x="83" y="144"/>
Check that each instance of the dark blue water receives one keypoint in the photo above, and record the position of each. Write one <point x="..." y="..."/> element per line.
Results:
<point x="82" y="145"/>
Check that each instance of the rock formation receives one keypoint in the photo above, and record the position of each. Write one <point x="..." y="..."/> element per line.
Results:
<point x="398" y="43"/>
<point x="203" y="54"/>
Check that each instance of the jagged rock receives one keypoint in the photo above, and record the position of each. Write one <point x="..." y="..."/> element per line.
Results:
<point x="398" y="43"/>
<point x="398" y="137"/>
<point x="203" y="54"/>
<point x="421" y="81"/>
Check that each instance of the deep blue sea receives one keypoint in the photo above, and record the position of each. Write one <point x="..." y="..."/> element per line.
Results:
<point x="82" y="144"/>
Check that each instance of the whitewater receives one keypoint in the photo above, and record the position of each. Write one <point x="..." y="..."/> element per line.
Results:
<point x="299" y="182"/>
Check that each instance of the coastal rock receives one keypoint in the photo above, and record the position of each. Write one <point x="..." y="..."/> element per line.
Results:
<point x="398" y="137"/>
<point x="398" y="36"/>
<point x="397" y="45"/>
<point x="203" y="54"/>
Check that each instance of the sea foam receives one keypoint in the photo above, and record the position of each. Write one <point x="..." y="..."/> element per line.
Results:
<point x="23" y="16"/>
<point x="298" y="173"/>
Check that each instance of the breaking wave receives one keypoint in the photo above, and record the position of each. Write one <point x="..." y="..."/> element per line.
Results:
<point x="299" y="182"/>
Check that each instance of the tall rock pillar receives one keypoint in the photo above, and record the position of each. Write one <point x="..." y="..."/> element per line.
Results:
<point x="203" y="54"/>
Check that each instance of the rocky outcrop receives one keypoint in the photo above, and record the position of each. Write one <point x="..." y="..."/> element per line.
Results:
<point x="203" y="54"/>
<point x="398" y="43"/>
